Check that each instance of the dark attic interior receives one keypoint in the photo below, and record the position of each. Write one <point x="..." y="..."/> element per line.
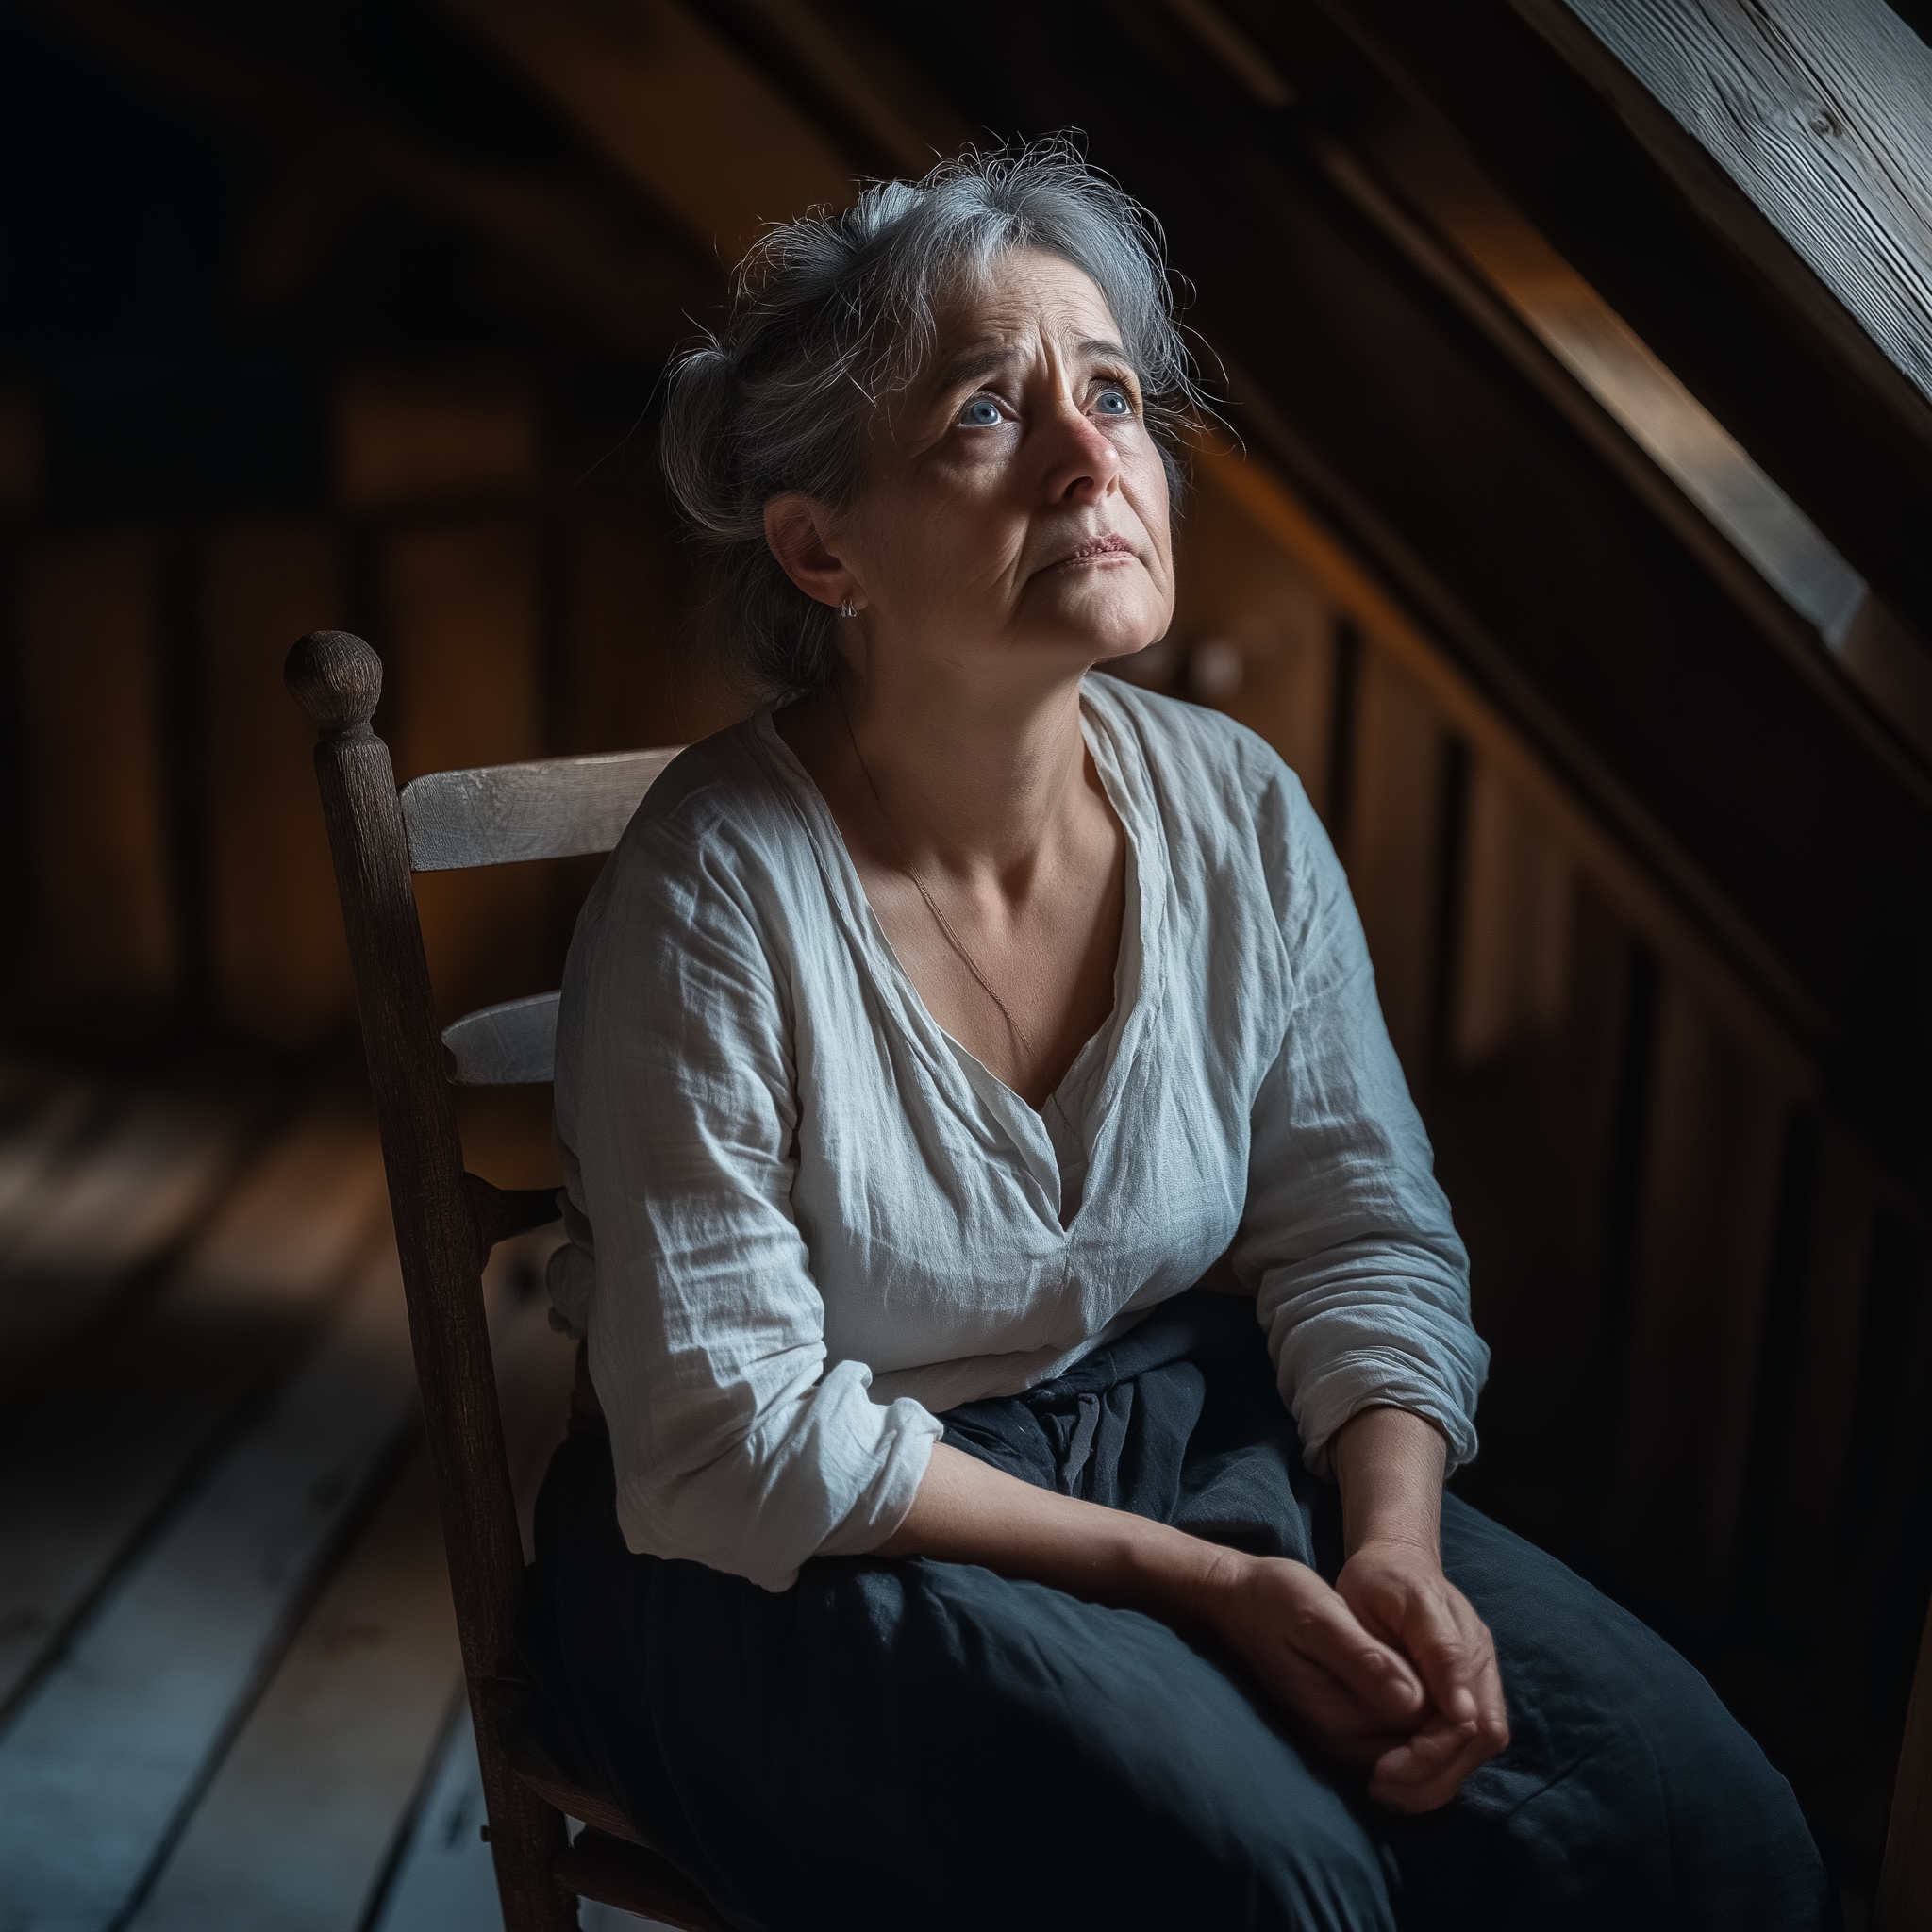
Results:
<point x="1563" y="527"/>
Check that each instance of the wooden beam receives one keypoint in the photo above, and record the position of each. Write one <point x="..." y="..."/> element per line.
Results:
<point x="711" y="141"/>
<point x="581" y="241"/>
<point x="1798" y="129"/>
<point x="888" y="103"/>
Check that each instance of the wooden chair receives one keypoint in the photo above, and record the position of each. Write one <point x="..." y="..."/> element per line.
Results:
<point x="448" y="1220"/>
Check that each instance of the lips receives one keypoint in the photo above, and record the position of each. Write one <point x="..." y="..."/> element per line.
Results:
<point x="1112" y="545"/>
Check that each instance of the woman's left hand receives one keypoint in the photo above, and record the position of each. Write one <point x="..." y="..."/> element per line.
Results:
<point x="1398" y="1592"/>
<point x="1390" y="1465"/>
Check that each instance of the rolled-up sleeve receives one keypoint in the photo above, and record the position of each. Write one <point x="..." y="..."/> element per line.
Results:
<point x="1361" y="1280"/>
<point x="735" y="1446"/>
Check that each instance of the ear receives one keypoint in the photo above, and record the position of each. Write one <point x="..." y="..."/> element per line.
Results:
<point x="796" y="534"/>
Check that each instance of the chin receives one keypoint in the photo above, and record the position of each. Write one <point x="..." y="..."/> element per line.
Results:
<point x="1103" y="635"/>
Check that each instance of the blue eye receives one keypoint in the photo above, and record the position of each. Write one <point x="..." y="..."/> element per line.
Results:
<point x="981" y="413"/>
<point x="1114" y="402"/>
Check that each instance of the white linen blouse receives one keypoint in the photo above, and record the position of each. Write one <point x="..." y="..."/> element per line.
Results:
<point x="804" y="1220"/>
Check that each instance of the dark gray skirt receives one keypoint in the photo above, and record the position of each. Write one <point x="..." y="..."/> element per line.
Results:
<point x="902" y="1744"/>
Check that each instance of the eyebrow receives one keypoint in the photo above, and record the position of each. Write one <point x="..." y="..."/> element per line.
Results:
<point x="977" y="363"/>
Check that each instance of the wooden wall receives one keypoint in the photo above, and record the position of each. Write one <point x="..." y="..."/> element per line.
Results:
<point x="166" y="829"/>
<point x="1705" y="1295"/>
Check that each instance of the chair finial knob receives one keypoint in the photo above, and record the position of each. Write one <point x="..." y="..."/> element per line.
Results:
<point x="336" y="679"/>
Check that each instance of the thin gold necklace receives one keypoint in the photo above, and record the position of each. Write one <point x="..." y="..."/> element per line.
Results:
<point x="939" y="919"/>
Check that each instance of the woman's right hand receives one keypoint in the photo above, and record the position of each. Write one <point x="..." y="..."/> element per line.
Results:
<point x="1352" y="1696"/>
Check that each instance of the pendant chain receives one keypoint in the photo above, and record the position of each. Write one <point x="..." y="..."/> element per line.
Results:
<point x="939" y="919"/>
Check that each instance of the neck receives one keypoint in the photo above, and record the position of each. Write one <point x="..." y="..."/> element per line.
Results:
<point x="969" y="776"/>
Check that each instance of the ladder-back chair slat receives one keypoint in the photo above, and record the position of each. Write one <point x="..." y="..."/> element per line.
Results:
<point x="547" y="808"/>
<point x="513" y="1044"/>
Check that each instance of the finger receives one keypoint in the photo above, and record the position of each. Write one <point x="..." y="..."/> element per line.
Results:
<point x="1492" y="1708"/>
<point x="1449" y="1650"/>
<point x="1426" y="1771"/>
<point x="1327" y="1631"/>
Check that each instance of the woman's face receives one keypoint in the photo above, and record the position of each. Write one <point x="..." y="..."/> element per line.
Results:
<point x="1015" y="505"/>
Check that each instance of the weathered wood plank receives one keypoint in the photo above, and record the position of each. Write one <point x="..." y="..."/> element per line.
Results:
<point x="628" y="587"/>
<point x="462" y="686"/>
<point x="41" y="1128"/>
<point x="1705" y="943"/>
<point x="1808" y="1483"/>
<point x="117" y="1202"/>
<point x="1702" y="1269"/>
<point x="548" y="809"/>
<point x="443" y="1881"/>
<point x="103" y="923"/>
<point x="455" y="434"/>
<point x="1513" y="931"/>
<point x="86" y="1464"/>
<point x="1819" y="112"/>
<point x="1391" y="849"/>
<point x="297" y="1826"/>
<point x="513" y="1044"/>
<point x="670" y="104"/>
<point x="281" y="971"/>
<point x="1236" y="584"/>
<point x="102" y="1759"/>
<point x="294" y="1828"/>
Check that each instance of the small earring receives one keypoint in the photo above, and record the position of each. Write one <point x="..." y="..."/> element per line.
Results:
<point x="847" y="607"/>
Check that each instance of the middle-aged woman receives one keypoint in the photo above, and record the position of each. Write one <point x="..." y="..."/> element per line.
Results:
<point x="945" y="1555"/>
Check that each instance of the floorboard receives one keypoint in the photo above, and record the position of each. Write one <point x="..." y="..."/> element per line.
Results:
<point x="443" y="1882"/>
<point x="297" y="1824"/>
<point x="229" y="1680"/>
<point x="102" y="1761"/>
<point x="44" y="1119"/>
<point x="87" y="1464"/>
<point x="116" y="1201"/>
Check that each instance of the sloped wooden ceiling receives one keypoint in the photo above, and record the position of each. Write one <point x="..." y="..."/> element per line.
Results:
<point x="347" y="109"/>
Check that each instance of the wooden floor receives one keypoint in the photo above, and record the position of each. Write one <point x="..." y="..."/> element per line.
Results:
<point x="229" y="1686"/>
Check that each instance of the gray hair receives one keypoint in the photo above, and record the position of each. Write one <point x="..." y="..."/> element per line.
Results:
<point x="832" y="312"/>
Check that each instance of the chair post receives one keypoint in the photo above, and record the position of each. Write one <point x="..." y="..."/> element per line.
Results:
<point x="337" y="680"/>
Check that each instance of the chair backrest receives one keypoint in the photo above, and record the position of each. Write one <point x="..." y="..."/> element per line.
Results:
<point x="448" y="1219"/>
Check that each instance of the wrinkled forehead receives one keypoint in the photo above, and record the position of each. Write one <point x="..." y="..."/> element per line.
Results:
<point x="1021" y="302"/>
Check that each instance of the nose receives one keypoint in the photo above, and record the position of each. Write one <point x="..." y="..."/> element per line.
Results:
<point x="1082" y="462"/>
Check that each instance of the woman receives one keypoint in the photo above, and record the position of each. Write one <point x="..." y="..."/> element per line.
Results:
<point x="947" y="1556"/>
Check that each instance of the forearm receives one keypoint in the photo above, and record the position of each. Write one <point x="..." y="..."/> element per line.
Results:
<point x="1390" y="1465"/>
<point x="969" y="1512"/>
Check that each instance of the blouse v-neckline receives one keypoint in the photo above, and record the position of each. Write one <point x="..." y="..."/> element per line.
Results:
<point x="953" y="1067"/>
